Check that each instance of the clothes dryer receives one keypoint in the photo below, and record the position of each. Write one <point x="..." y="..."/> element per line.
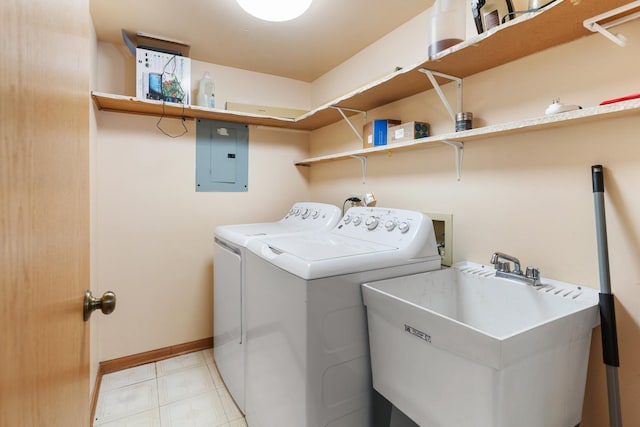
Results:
<point x="229" y="315"/>
<point x="307" y="350"/>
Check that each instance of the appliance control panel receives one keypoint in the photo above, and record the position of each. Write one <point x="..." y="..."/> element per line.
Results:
<point x="311" y="211"/>
<point x="383" y="225"/>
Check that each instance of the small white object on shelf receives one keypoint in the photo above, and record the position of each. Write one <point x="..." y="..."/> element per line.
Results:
<point x="206" y="97"/>
<point x="558" y="107"/>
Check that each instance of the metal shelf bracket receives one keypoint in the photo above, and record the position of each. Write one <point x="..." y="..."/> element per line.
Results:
<point x="363" y="162"/>
<point x="431" y="75"/>
<point x="591" y="24"/>
<point x="459" y="151"/>
<point x="341" y="110"/>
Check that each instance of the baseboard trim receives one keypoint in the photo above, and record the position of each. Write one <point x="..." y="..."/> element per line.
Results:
<point x="126" y="362"/>
<point x="134" y="360"/>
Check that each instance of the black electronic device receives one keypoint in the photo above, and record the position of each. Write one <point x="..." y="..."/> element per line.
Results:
<point x="488" y="14"/>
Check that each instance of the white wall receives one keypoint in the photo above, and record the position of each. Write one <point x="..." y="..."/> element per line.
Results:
<point x="528" y="195"/>
<point x="153" y="239"/>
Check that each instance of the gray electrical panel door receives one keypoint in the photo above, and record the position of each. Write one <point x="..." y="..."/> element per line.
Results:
<point x="222" y="156"/>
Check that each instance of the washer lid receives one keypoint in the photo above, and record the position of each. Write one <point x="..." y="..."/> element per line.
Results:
<point x="313" y="247"/>
<point x="316" y="255"/>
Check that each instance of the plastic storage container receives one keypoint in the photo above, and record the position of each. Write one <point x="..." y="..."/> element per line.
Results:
<point x="205" y="92"/>
<point x="447" y="24"/>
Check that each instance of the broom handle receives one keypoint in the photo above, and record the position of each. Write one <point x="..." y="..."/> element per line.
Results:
<point x="607" y="309"/>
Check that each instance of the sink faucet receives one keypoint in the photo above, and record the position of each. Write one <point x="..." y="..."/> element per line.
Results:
<point x="503" y="269"/>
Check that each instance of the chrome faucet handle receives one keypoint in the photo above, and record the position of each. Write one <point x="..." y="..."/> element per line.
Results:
<point x="494" y="258"/>
<point x="503" y="266"/>
<point x="533" y="273"/>
<point x="497" y="256"/>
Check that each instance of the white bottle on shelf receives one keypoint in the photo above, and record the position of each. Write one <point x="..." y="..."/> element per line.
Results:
<point x="206" y="90"/>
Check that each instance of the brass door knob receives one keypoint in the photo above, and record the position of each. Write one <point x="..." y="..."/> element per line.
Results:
<point x="106" y="304"/>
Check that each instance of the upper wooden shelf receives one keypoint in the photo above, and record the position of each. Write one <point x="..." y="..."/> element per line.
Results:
<point x="559" y="23"/>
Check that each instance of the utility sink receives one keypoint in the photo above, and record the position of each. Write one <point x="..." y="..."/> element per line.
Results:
<point x="461" y="347"/>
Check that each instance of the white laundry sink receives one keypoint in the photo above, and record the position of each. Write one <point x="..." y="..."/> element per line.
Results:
<point x="461" y="347"/>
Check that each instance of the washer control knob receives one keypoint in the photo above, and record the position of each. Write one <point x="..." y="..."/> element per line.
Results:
<point x="390" y="225"/>
<point x="306" y="213"/>
<point x="347" y="219"/>
<point x="357" y="220"/>
<point x="315" y="214"/>
<point x="371" y="223"/>
<point x="403" y="227"/>
<point x="297" y="212"/>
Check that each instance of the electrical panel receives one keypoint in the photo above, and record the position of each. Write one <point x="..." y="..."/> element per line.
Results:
<point x="222" y="156"/>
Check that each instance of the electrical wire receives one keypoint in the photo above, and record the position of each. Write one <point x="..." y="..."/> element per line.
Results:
<point x="158" y="123"/>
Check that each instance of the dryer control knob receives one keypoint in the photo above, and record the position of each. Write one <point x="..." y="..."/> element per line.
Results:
<point x="371" y="223"/>
<point x="306" y="213"/>
<point x="357" y="220"/>
<point x="403" y="227"/>
<point x="390" y="225"/>
<point x="297" y="212"/>
<point x="315" y="214"/>
<point x="347" y="219"/>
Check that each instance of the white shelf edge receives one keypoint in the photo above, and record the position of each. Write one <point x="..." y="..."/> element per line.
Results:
<point x="152" y="102"/>
<point x="537" y="123"/>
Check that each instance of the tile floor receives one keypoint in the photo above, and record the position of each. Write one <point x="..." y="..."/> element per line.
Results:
<point x="184" y="391"/>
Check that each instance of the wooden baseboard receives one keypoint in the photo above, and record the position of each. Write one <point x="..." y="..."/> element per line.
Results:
<point x="134" y="360"/>
<point x="126" y="362"/>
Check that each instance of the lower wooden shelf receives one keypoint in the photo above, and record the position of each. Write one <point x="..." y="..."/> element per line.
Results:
<point x="529" y="125"/>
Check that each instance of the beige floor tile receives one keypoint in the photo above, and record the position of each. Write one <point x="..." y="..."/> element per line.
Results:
<point x="215" y="376"/>
<point x="183" y="384"/>
<point x="230" y="408"/>
<point x="124" y="401"/>
<point x="202" y="410"/>
<point x="189" y="360"/>
<point x="144" y="419"/>
<point x="184" y="391"/>
<point x="128" y="377"/>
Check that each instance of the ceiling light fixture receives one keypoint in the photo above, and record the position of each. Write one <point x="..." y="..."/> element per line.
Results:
<point x="275" y="10"/>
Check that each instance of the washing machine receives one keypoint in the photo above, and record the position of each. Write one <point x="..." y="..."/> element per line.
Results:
<point x="307" y="343"/>
<point x="229" y="315"/>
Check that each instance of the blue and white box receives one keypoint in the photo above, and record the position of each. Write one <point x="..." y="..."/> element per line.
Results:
<point x="375" y="132"/>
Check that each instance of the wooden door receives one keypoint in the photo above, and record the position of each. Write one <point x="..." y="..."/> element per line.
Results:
<point x="44" y="213"/>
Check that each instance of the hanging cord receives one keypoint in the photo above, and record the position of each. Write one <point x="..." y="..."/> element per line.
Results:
<point x="173" y="72"/>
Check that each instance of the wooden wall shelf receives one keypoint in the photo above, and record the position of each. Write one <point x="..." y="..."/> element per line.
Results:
<point x="559" y="23"/>
<point x="604" y="112"/>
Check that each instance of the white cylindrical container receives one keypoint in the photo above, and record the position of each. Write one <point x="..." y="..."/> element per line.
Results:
<point x="447" y="24"/>
<point x="206" y="89"/>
